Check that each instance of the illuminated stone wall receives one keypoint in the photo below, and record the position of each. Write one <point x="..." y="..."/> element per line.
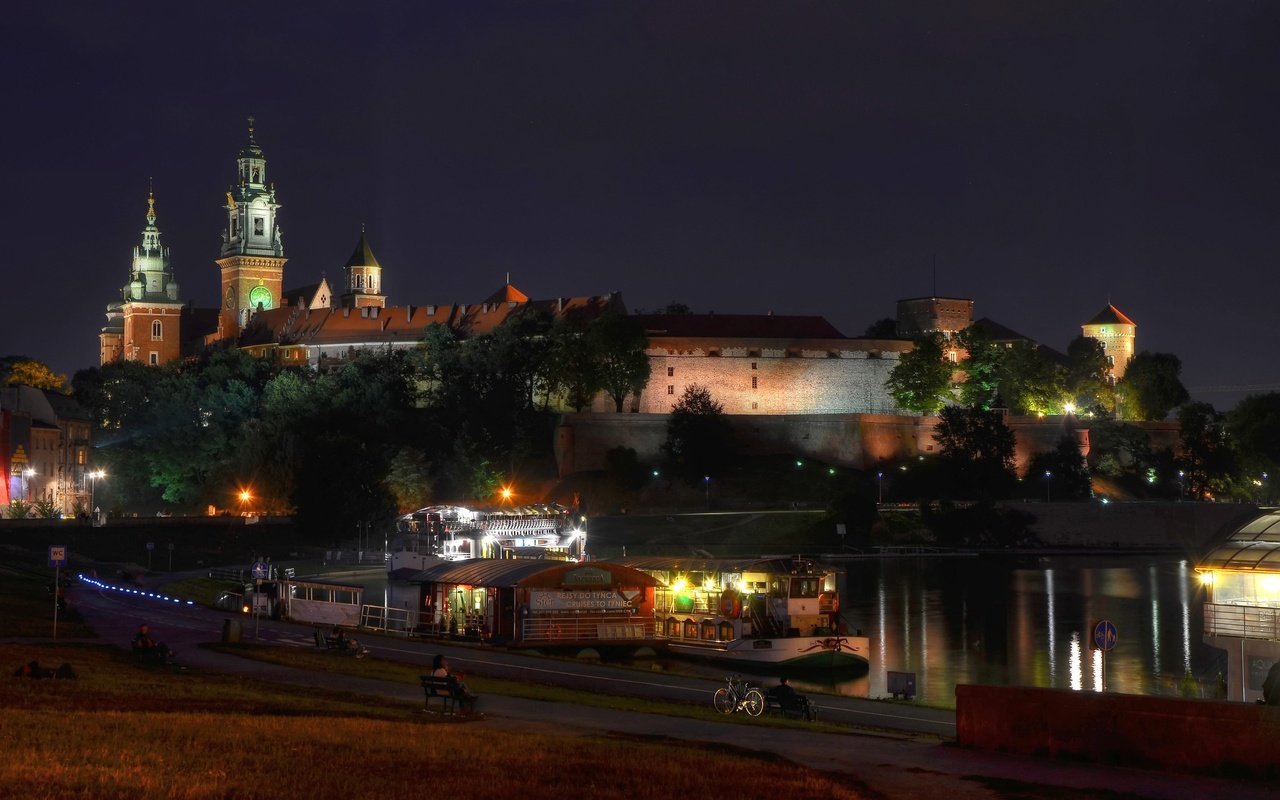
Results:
<point x="770" y="377"/>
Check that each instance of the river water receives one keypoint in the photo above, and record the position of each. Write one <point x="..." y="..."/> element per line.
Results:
<point x="1028" y="622"/>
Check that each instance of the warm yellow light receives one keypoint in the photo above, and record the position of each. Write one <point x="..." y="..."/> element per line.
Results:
<point x="1270" y="584"/>
<point x="679" y="585"/>
<point x="742" y="587"/>
<point x="245" y="496"/>
<point x="506" y="492"/>
<point x="1069" y="408"/>
<point x="1206" y="578"/>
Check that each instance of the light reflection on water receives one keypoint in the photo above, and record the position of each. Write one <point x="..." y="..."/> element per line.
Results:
<point x="999" y="622"/>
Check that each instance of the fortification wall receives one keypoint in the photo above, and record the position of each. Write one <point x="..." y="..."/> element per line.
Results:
<point x="846" y="439"/>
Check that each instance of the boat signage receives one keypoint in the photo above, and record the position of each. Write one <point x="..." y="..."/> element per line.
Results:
<point x="588" y="576"/>
<point x="551" y="600"/>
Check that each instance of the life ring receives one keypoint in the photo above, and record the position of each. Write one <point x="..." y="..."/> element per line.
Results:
<point x="832" y="598"/>
<point x="731" y="604"/>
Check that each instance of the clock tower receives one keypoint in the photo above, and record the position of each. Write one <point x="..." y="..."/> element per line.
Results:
<point x="252" y="257"/>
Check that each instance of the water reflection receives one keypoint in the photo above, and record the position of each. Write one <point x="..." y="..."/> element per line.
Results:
<point x="1001" y="621"/>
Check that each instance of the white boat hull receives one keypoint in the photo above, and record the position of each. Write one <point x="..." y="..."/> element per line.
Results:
<point x="791" y="652"/>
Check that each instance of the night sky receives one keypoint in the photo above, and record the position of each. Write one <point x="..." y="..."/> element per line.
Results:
<point x="801" y="158"/>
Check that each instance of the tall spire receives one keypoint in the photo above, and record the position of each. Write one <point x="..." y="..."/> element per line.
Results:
<point x="150" y="274"/>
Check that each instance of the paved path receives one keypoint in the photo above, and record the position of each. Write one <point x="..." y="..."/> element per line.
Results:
<point x="881" y="764"/>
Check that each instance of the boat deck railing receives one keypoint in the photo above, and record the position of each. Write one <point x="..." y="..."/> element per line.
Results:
<point x="1242" y="622"/>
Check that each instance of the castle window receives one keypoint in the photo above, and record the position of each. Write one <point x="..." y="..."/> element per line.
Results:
<point x="754" y="379"/>
<point x="671" y="371"/>
<point x="359" y="281"/>
<point x="258" y="228"/>
<point x="754" y="406"/>
<point x="671" y="389"/>
<point x="157" y="330"/>
<point x="753" y="365"/>
<point x="154" y="360"/>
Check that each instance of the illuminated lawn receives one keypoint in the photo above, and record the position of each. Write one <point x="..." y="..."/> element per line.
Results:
<point x="125" y="731"/>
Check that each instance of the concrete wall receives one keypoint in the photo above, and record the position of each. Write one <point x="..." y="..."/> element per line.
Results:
<point x="1189" y="526"/>
<point x="1153" y="732"/>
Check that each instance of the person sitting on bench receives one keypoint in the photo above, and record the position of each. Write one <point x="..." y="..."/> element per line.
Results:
<point x="789" y="699"/>
<point x="440" y="669"/>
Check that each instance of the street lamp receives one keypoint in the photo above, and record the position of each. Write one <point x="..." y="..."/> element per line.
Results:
<point x="706" y="483"/>
<point x="28" y="474"/>
<point x="1181" y="474"/>
<point x="245" y="497"/>
<point x="94" y="475"/>
<point x="1048" y="485"/>
<point x="880" y="488"/>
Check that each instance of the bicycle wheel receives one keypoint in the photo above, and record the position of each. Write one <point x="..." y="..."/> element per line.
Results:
<point x="753" y="702"/>
<point x="723" y="701"/>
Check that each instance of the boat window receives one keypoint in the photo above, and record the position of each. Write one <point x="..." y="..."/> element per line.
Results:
<point x="778" y="587"/>
<point x="805" y="587"/>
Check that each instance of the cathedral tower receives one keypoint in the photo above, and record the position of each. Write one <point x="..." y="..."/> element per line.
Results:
<point x="252" y="257"/>
<point x="1118" y="335"/>
<point x="362" y="278"/>
<point x="146" y="324"/>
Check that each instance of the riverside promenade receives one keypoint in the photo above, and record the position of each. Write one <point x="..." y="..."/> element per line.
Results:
<point x="891" y="750"/>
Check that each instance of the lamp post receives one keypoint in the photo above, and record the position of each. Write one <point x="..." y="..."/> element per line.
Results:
<point x="1181" y="474"/>
<point x="706" y="486"/>
<point x="94" y="475"/>
<point x="1048" y="485"/>
<point x="27" y="475"/>
<point x="879" y="488"/>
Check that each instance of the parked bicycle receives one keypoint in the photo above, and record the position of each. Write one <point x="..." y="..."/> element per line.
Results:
<point x="738" y="696"/>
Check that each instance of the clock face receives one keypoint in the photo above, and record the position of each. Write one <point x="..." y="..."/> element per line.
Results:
<point x="260" y="297"/>
<point x="231" y="297"/>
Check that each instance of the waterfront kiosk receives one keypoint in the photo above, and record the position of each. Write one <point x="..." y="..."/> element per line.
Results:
<point x="321" y="602"/>
<point x="537" y="603"/>
<point x="1241" y="576"/>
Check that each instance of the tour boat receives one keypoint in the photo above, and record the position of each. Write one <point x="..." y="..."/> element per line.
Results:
<point x="457" y="533"/>
<point x="779" y="613"/>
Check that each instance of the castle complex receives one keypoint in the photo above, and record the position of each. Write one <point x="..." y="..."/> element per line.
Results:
<point x="762" y="365"/>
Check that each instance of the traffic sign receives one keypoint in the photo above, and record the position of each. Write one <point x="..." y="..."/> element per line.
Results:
<point x="57" y="555"/>
<point x="151" y="545"/>
<point x="1104" y="635"/>
<point x="259" y="570"/>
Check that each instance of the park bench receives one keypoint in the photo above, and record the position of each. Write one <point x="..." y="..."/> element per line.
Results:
<point x="447" y="691"/>
<point x="328" y="642"/>
<point x="795" y="707"/>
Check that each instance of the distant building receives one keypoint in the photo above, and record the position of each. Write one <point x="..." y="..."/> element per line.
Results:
<point x="1118" y="335"/>
<point x="145" y="324"/>
<point x="44" y="448"/>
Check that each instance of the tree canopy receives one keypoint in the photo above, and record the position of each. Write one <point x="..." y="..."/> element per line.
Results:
<point x="921" y="380"/>
<point x="977" y="448"/>
<point x="1151" y="387"/>
<point x="699" y="439"/>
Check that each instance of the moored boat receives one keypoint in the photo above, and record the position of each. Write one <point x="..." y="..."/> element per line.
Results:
<point x="780" y="613"/>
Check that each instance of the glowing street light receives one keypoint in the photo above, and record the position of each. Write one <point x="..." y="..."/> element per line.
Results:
<point x="245" y="497"/>
<point x="94" y="476"/>
<point x="1048" y="485"/>
<point x="28" y="474"/>
<point x="1068" y="408"/>
<point x="880" y="488"/>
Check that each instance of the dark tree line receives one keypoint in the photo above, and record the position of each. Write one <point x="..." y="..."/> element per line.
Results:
<point x="382" y="433"/>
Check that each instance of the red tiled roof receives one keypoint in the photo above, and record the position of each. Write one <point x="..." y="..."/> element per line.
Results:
<point x="737" y="326"/>
<point x="1111" y="316"/>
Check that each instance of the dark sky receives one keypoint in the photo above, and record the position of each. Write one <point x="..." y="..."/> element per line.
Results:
<point x="804" y="158"/>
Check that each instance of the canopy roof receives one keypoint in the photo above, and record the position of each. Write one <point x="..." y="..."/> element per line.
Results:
<point x="1255" y="547"/>
<point x="776" y="565"/>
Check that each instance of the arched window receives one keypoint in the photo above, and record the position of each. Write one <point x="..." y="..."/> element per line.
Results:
<point x="359" y="281"/>
<point x="157" y="330"/>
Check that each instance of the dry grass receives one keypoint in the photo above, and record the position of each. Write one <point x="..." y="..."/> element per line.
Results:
<point x="26" y="606"/>
<point x="124" y="731"/>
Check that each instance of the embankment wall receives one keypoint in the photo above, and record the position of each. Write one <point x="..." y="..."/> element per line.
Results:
<point x="1153" y="732"/>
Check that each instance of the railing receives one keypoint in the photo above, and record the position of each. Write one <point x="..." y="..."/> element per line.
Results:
<point x="1242" y="622"/>
<point x="356" y="557"/>
<point x="385" y="618"/>
<point x="579" y="629"/>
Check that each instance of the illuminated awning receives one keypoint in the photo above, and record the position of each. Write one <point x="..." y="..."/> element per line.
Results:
<point x="1255" y="547"/>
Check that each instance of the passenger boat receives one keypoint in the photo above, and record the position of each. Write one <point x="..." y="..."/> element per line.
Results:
<point x="779" y="613"/>
<point x="458" y="533"/>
